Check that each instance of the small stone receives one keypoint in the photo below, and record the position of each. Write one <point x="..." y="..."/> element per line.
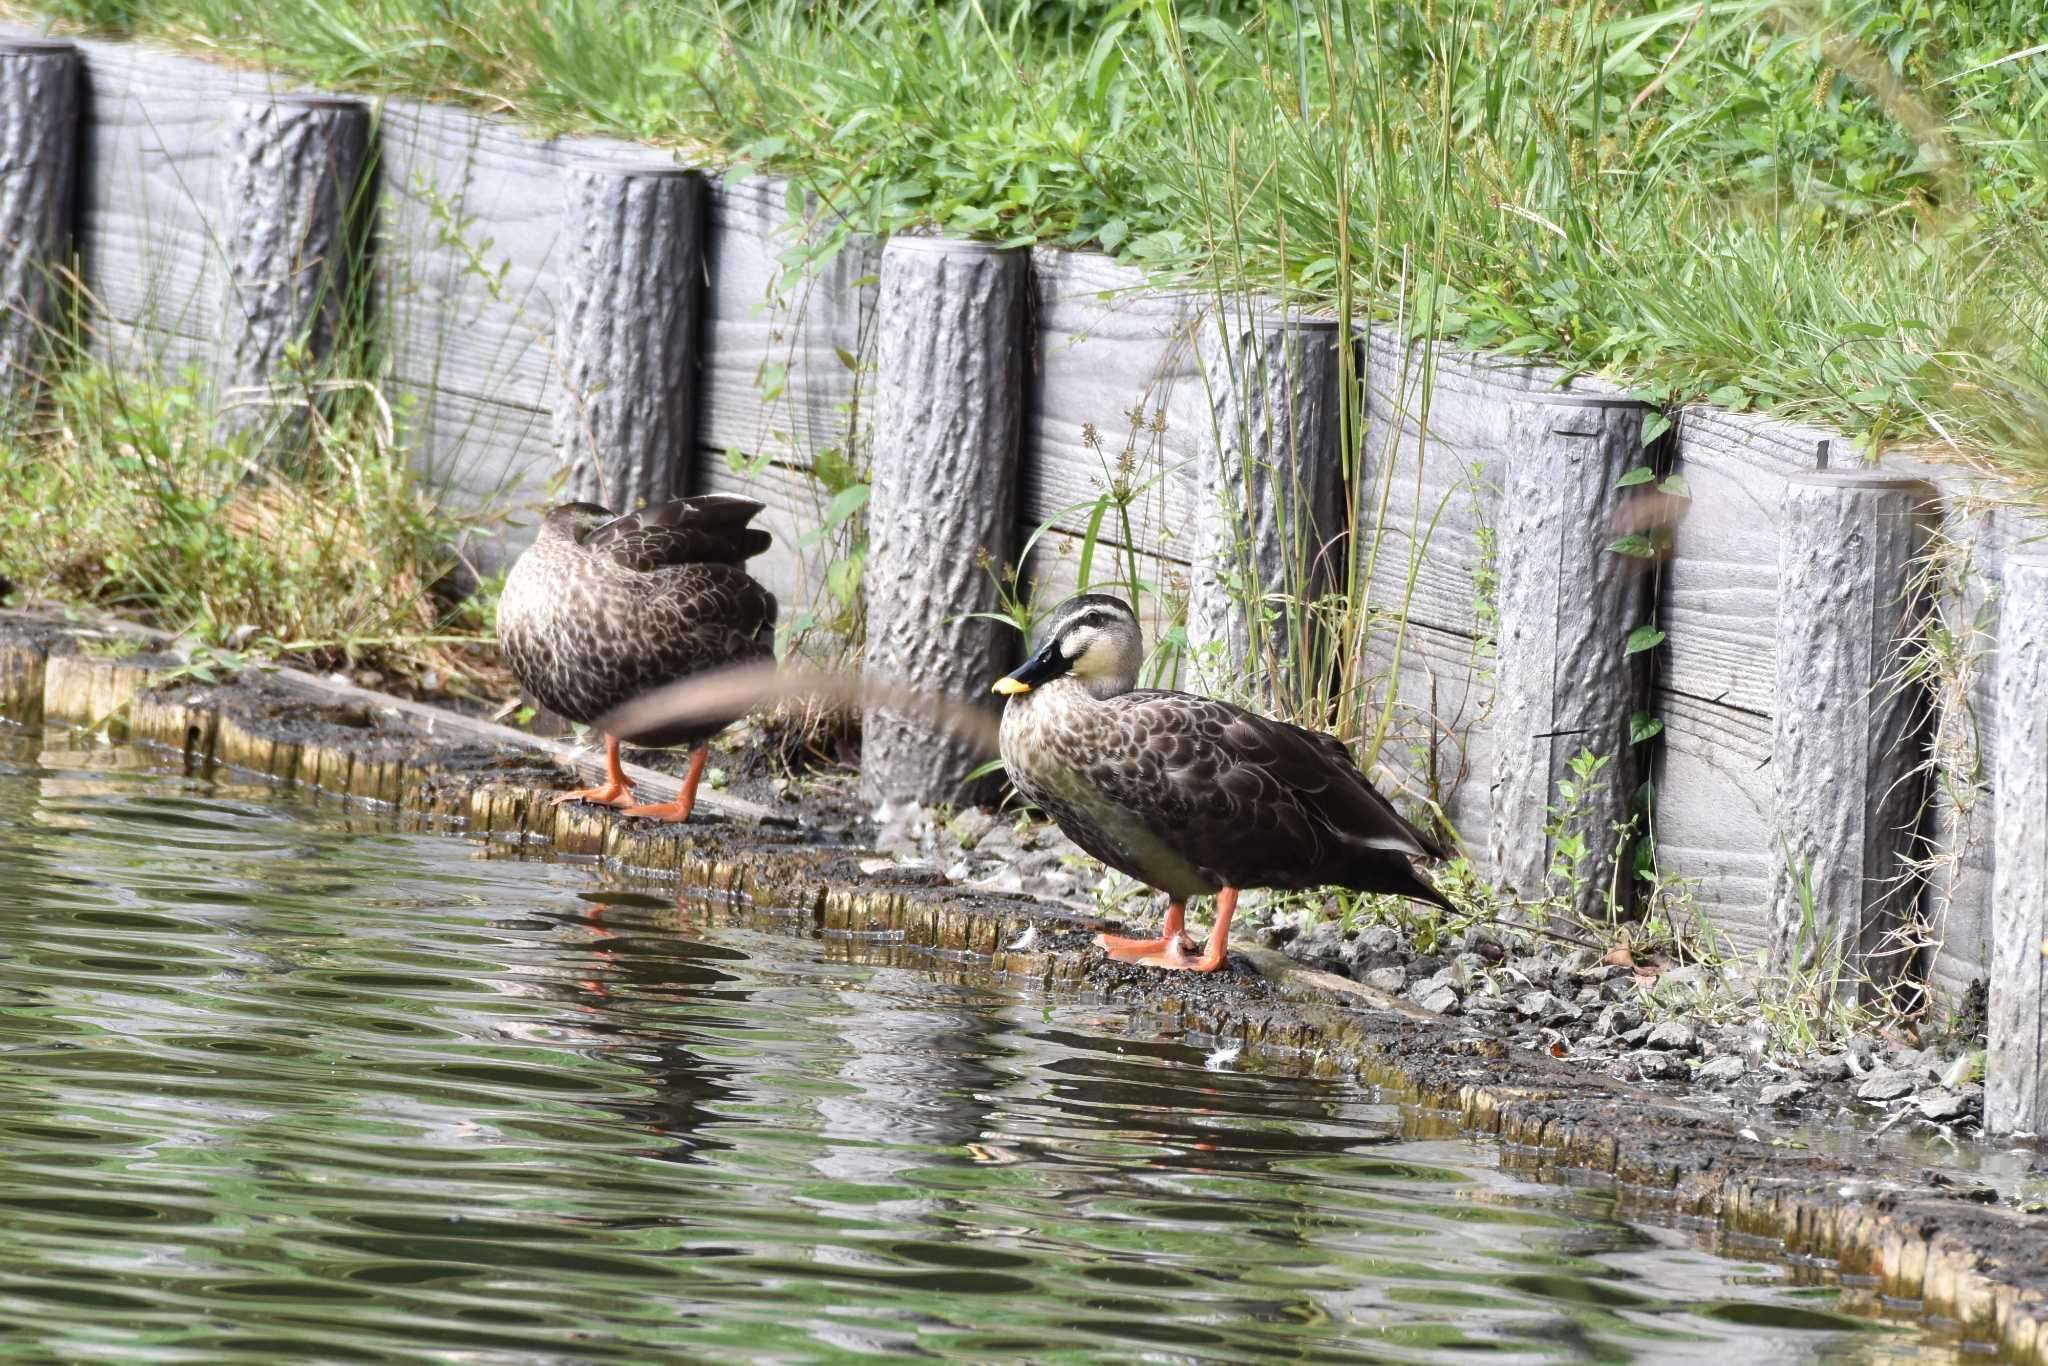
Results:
<point x="1636" y="1037"/>
<point x="1442" y="1000"/>
<point x="1544" y="1007"/>
<point x="1379" y="939"/>
<point x="1833" y="1067"/>
<point x="1325" y="942"/>
<point x="971" y="826"/>
<point x="1886" y="1085"/>
<point x="1722" y="1070"/>
<point x="1618" y="1019"/>
<point x="1786" y="1093"/>
<point x="1677" y="985"/>
<point x="1676" y="1036"/>
<point x="1652" y="1064"/>
<point x="1940" y="1105"/>
<point x="1387" y="979"/>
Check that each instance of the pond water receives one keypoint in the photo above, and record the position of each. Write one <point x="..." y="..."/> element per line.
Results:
<point x="280" y="1082"/>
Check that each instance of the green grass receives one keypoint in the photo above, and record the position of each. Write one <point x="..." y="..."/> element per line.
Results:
<point x="1830" y="209"/>
<point x="118" y="495"/>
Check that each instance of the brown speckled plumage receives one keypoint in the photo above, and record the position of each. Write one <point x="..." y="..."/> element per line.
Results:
<point x="1189" y="794"/>
<point x="601" y="609"/>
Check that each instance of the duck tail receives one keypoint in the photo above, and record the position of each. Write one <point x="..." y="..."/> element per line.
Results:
<point x="1397" y="877"/>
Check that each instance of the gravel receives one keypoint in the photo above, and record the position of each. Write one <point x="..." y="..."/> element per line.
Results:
<point x="1685" y="1025"/>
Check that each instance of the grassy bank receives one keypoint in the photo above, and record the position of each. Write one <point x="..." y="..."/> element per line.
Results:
<point x="1829" y="208"/>
<point x="120" y="493"/>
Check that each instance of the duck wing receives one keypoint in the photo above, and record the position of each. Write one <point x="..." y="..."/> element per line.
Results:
<point x="1259" y="801"/>
<point x="710" y="528"/>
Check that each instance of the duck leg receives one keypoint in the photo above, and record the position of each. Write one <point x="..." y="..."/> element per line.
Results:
<point x="678" y="810"/>
<point x="1174" y="951"/>
<point x="1172" y="933"/>
<point x="616" y="790"/>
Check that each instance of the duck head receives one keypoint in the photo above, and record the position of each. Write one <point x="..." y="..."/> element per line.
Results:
<point x="1094" y="639"/>
<point x="575" y="521"/>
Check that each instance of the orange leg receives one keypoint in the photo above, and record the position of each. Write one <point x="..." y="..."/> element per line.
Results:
<point x="1172" y="931"/>
<point x="616" y="790"/>
<point x="678" y="810"/>
<point x="1172" y="949"/>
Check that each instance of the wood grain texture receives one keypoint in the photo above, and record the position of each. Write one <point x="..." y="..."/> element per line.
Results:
<point x="777" y="377"/>
<point x="629" y="329"/>
<point x="1714" y="812"/>
<point x="1269" y="500"/>
<point x="1566" y="683"/>
<point x="149" y="191"/>
<point x="942" y="518"/>
<point x="39" y="147"/>
<point x="1428" y="487"/>
<point x="2016" y="1071"/>
<point x="293" y="203"/>
<point x="1720" y="590"/>
<point x="1117" y="395"/>
<point x="1850" y="732"/>
<point x="1435" y="689"/>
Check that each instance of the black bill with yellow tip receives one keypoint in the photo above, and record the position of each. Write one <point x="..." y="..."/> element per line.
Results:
<point x="1047" y="664"/>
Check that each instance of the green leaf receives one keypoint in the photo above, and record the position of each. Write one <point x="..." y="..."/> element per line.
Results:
<point x="1675" y="485"/>
<point x="847" y="358"/>
<point x="1729" y="396"/>
<point x="1654" y="426"/>
<point x="1643" y="638"/>
<point x="1643" y="726"/>
<point x="1641" y="474"/>
<point x="844" y="504"/>
<point x="1636" y="545"/>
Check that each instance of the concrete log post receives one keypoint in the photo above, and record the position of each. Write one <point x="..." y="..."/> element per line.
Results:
<point x="1565" y="682"/>
<point x="1269" y="500"/>
<point x="630" y="329"/>
<point x="295" y="196"/>
<point x="40" y="104"/>
<point x="2016" y="1072"/>
<point x="942" y="513"/>
<point x="1850" y="731"/>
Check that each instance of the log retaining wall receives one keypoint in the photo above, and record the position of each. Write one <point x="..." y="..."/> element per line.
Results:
<point x="489" y="297"/>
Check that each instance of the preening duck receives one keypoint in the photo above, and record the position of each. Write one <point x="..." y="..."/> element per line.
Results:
<point x="1191" y="795"/>
<point x="603" y="608"/>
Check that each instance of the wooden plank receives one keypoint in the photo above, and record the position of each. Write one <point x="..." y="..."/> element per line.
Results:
<point x="1720" y="593"/>
<point x="1439" y="745"/>
<point x="467" y="286"/>
<point x="776" y="379"/>
<point x="1429" y="483"/>
<point x="1714" y="798"/>
<point x="1107" y="348"/>
<point x="149" y="190"/>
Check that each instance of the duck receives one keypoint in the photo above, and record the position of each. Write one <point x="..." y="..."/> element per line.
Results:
<point x="1191" y="795"/>
<point x="605" y="607"/>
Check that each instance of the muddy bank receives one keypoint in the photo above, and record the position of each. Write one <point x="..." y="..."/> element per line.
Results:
<point x="1916" y="1236"/>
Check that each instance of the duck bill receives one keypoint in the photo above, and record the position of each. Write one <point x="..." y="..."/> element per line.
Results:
<point x="1040" y="668"/>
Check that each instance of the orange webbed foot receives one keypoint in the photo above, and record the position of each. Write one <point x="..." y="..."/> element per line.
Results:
<point x="615" y="791"/>
<point x="611" y="794"/>
<point x="1173" y="950"/>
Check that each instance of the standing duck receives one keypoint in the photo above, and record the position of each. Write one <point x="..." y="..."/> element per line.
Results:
<point x="602" y="608"/>
<point x="1190" y="795"/>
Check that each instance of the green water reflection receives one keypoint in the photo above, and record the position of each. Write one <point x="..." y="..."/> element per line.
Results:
<point x="278" y="1082"/>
